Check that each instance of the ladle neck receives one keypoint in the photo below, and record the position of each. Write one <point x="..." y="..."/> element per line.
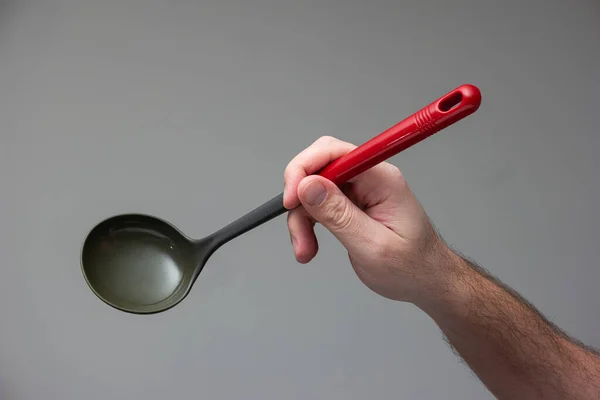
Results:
<point x="254" y="218"/>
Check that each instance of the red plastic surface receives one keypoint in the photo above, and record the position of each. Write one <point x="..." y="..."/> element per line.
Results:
<point x="448" y="109"/>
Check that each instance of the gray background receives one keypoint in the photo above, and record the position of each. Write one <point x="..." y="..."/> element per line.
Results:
<point x="190" y="110"/>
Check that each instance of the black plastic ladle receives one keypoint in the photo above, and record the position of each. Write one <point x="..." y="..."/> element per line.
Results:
<point x="141" y="264"/>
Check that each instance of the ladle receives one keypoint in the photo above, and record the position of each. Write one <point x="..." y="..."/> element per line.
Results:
<point x="141" y="264"/>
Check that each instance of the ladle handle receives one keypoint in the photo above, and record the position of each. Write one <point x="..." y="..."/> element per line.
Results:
<point x="448" y="109"/>
<point x="452" y="107"/>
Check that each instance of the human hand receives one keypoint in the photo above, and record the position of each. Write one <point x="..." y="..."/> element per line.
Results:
<point x="396" y="252"/>
<point x="391" y="243"/>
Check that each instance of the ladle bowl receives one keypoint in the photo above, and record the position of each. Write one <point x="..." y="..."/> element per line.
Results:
<point x="141" y="264"/>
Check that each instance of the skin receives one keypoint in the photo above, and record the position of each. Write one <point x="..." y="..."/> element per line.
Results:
<point x="396" y="252"/>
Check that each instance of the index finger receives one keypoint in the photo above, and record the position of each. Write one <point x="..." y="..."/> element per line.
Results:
<point x="322" y="152"/>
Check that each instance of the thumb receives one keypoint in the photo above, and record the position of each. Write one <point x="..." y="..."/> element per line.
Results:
<point x="329" y="206"/>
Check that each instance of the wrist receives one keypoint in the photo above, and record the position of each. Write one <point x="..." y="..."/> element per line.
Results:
<point x="450" y="288"/>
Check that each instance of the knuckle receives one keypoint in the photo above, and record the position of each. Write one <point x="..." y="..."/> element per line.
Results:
<point x="340" y="214"/>
<point x="397" y="178"/>
<point x="325" y="140"/>
<point x="293" y="171"/>
<point x="288" y="172"/>
<point x="394" y="172"/>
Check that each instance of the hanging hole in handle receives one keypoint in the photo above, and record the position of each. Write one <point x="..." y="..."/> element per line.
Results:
<point x="450" y="102"/>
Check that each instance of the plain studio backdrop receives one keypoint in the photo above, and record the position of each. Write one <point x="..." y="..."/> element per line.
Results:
<point x="190" y="111"/>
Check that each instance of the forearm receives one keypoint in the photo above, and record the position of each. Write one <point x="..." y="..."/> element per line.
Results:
<point x="506" y="342"/>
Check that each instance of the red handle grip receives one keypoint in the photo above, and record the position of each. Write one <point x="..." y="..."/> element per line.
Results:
<point x="452" y="107"/>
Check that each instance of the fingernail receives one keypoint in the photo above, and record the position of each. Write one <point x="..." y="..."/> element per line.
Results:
<point x="314" y="193"/>
<point x="293" y="241"/>
<point x="285" y="194"/>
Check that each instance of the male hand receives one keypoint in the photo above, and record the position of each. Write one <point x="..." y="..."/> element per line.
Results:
<point x="395" y="251"/>
<point x="391" y="243"/>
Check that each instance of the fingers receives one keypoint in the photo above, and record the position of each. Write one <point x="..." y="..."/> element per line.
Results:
<point x="326" y="203"/>
<point x="378" y="184"/>
<point x="304" y="241"/>
<point x="322" y="152"/>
